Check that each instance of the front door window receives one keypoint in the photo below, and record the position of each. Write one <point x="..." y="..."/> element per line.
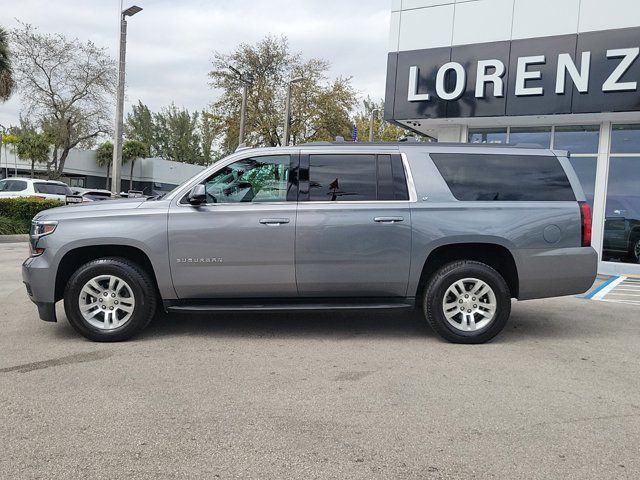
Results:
<point x="255" y="179"/>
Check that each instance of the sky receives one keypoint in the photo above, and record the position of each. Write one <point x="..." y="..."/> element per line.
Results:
<point x="170" y="43"/>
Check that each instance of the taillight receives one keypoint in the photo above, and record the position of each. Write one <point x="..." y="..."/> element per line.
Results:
<point x="585" y="213"/>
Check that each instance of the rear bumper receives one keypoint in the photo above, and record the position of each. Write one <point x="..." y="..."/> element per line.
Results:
<point x="556" y="272"/>
<point x="36" y="276"/>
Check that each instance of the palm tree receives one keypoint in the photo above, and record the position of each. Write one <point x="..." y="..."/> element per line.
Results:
<point x="131" y="151"/>
<point x="6" y="77"/>
<point x="104" y="157"/>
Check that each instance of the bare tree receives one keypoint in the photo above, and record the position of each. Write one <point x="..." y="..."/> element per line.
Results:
<point x="67" y="86"/>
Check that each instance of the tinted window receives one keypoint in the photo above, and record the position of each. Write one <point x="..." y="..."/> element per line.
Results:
<point x="342" y="178"/>
<point x="581" y="139"/>
<point x="585" y="168"/>
<point x="256" y="179"/>
<point x="477" y="177"/>
<point x="625" y="139"/>
<point x="487" y="135"/>
<point x="12" y="185"/>
<point x="532" y="135"/>
<point x="52" y="189"/>
<point x="95" y="196"/>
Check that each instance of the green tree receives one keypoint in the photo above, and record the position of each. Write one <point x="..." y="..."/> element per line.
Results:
<point x="104" y="157"/>
<point x="6" y="73"/>
<point x="131" y="151"/>
<point x="382" y="131"/>
<point x="176" y="135"/>
<point x="66" y="86"/>
<point x="139" y="126"/>
<point x="320" y="108"/>
<point x="210" y="130"/>
<point x="33" y="146"/>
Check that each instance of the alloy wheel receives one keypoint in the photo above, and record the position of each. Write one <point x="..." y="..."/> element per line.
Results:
<point x="469" y="304"/>
<point x="106" y="302"/>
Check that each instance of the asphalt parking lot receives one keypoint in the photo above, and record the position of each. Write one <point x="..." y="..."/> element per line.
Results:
<point x="556" y="395"/>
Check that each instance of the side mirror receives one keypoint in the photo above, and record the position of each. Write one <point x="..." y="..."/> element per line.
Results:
<point x="198" y="195"/>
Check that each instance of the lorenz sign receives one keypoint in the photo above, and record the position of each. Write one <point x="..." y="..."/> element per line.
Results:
<point x="582" y="73"/>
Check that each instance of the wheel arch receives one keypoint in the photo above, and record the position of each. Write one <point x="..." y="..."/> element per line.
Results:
<point x="496" y="255"/>
<point x="76" y="257"/>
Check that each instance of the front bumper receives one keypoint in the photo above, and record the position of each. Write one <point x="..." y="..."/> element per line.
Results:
<point x="37" y="277"/>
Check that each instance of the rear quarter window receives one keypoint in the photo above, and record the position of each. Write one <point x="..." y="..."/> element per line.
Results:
<point x="12" y="185"/>
<point x="480" y="177"/>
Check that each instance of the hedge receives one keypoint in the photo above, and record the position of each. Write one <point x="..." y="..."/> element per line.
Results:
<point x="11" y="226"/>
<point x="23" y="209"/>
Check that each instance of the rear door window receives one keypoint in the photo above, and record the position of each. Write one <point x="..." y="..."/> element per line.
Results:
<point x="356" y="177"/>
<point x="52" y="189"/>
<point x="480" y="177"/>
<point x="342" y="178"/>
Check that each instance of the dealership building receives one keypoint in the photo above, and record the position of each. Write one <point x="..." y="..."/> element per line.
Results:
<point x="562" y="74"/>
<point x="152" y="176"/>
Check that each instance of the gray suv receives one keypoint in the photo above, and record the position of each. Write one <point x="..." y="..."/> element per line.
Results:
<point x="456" y="230"/>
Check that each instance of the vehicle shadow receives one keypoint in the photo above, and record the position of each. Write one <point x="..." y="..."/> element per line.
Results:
<point x="524" y="325"/>
<point x="290" y="324"/>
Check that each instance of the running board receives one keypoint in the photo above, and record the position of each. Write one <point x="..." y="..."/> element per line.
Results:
<point x="296" y="306"/>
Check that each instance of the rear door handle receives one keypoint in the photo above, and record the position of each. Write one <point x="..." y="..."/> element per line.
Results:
<point x="273" y="221"/>
<point x="388" y="219"/>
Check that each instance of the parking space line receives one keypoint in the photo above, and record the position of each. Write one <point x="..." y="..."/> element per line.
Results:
<point x="605" y="288"/>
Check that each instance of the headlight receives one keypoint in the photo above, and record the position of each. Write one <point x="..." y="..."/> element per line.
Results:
<point x="40" y="228"/>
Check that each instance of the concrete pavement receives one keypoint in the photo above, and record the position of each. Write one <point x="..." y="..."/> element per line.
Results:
<point x="556" y="395"/>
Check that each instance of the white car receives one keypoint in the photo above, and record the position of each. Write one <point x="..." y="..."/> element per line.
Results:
<point x="33" y="187"/>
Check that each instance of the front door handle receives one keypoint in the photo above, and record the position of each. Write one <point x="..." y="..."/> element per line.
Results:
<point x="388" y="219"/>
<point x="273" y="221"/>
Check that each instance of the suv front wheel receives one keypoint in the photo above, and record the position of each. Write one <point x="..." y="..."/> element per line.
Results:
<point x="467" y="302"/>
<point x="109" y="299"/>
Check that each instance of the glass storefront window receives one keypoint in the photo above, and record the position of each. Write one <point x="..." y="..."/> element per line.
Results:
<point x="531" y="135"/>
<point x="487" y="135"/>
<point x="625" y="138"/>
<point x="585" y="168"/>
<point x="621" y="241"/>
<point x="577" y="139"/>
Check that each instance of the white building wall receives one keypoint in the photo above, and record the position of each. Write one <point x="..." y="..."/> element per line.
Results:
<point x="418" y="24"/>
<point x="83" y="162"/>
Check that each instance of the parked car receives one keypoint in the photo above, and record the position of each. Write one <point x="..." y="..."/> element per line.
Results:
<point x="622" y="229"/>
<point x="14" y="187"/>
<point x="454" y="230"/>
<point x="93" y="195"/>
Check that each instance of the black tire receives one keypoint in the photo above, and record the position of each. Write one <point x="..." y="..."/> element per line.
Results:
<point x="444" y="278"/>
<point x="634" y="248"/>
<point x="141" y="284"/>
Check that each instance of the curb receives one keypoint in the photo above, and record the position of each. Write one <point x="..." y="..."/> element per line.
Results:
<point x="14" y="238"/>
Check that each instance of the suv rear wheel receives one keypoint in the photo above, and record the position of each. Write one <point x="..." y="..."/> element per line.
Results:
<point x="109" y="299"/>
<point x="635" y="247"/>
<point x="467" y="302"/>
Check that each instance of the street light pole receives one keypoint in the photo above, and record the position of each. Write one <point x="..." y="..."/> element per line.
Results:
<point x="6" y="167"/>
<point x="243" y="112"/>
<point x="247" y="81"/>
<point x="287" y="109"/>
<point x="371" y="120"/>
<point x="116" y="164"/>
